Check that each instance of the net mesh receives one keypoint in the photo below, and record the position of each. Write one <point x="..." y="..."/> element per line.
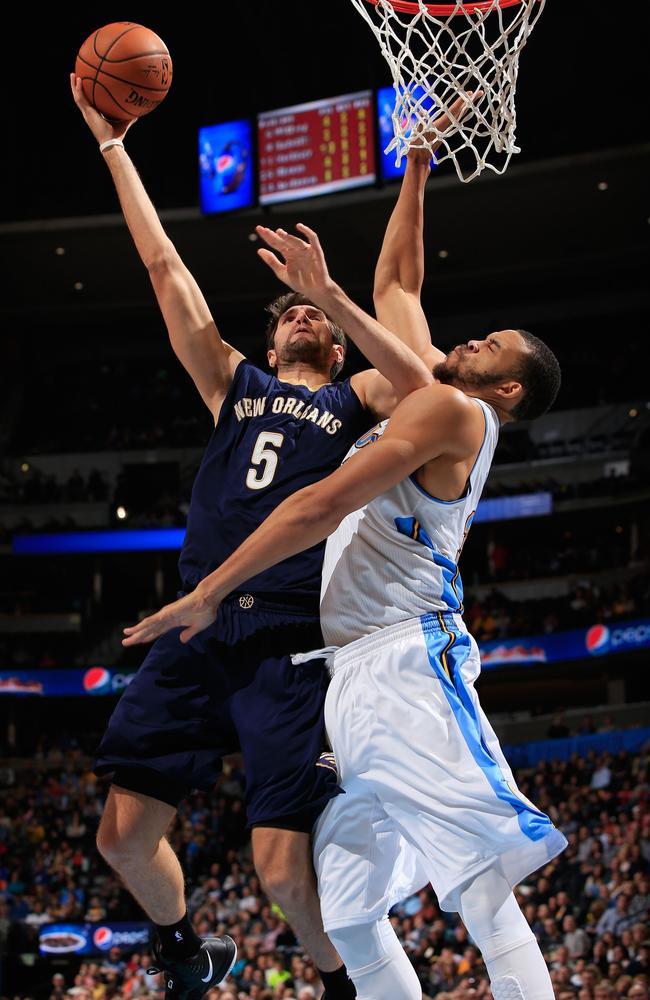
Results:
<point x="435" y="59"/>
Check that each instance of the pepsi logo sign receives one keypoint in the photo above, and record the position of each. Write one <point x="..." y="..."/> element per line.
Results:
<point x="603" y="639"/>
<point x="103" y="938"/>
<point x="97" y="680"/>
<point x="598" y="640"/>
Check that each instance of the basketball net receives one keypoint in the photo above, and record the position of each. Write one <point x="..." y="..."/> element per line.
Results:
<point x="437" y="53"/>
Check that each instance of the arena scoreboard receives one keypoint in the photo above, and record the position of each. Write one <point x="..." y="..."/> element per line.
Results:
<point x="316" y="148"/>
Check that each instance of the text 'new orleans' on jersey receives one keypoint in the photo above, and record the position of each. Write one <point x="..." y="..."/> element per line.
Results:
<point x="272" y="438"/>
<point x="397" y="557"/>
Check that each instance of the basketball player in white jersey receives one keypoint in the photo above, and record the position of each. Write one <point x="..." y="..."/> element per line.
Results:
<point x="429" y="795"/>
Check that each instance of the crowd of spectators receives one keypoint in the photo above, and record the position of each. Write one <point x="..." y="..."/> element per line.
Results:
<point x="498" y="617"/>
<point x="603" y="486"/>
<point x="116" y="405"/>
<point x="105" y="408"/>
<point x="34" y="486"/>
<point x="37" y="487"/>
<point x="588" y="908"/>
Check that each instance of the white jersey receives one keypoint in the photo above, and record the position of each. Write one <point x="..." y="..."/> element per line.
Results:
<point x="429" y="795"/>
<point x="397" y="557"/>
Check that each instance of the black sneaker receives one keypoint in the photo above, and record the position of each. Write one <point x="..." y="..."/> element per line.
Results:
<point x="191" y="978"/>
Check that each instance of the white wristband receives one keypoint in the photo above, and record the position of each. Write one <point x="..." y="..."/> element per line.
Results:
<point x="110" y="142"/>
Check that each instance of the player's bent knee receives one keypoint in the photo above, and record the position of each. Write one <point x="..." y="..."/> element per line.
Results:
<point x="282" y="884"/>
<point x="507" y="988"/>
<point x="120" y="851"/>
<point x="376" y="961"/>
<point x="109" y="846"/>
<point x="125" y="839"/>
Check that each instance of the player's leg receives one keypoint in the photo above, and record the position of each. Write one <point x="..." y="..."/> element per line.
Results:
<point x="363" y="866"/>
<point x="511" y="953"/>
<point x="449" y="791"/>
<point x="279" y="720"/>
<point x="155" y="752"/>
<point x="377" y="961"/>
<point x="131" y="838"/>
<point x="283" y="861"/>
<point x="148" y="782"/>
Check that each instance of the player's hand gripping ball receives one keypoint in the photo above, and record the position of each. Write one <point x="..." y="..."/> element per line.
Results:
<point x="126" y="70"/>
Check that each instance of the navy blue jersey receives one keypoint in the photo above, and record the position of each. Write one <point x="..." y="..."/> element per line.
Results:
<point x="272" y="438"/>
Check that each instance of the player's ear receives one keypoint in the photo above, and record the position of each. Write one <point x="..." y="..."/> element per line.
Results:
<point x="511" y="392"/>
<point x="338" y="352"/>
<point x="272" y="358"/>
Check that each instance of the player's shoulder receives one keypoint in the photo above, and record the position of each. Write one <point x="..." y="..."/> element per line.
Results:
<point x="450" y="415"/>
<point x="247" y="371"/>
<point x="446" y="399"/>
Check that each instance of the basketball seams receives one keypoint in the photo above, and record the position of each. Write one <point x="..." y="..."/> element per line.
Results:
<point x="131" y="27"/>
<point x="140" y="55"/>
<point x="101" y="58"/>
<point x="141" y="86"/>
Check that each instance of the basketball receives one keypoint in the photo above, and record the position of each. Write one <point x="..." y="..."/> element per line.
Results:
<point x="126" y="70"/>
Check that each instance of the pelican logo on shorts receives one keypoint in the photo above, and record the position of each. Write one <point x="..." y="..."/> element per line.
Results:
<point x="598" y="640"/>
<point x="246" y="601"/>
<point x="97" y="680"/>
<point x="103" y="938"/>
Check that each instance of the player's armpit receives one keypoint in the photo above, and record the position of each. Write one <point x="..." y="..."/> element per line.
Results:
<point x="376" y="393"/>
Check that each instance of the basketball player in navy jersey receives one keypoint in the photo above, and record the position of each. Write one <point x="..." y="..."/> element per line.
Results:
<point x="235" y="686"/>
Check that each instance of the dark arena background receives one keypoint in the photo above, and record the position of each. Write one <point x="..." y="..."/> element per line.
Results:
<point x="101" y="430"/>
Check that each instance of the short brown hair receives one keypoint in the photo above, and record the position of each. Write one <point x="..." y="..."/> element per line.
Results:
<point x="280" y="305"/>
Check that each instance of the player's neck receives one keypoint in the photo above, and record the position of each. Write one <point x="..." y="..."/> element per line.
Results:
<point x="494" y="401"/>
<point x="303" y="375"/>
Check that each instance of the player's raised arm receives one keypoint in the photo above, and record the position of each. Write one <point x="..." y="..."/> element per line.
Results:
<point x="305" y="270"/>
<point x="433" y="422"/>
<point x="194" y="337"/>
<point x="399" y="274"/>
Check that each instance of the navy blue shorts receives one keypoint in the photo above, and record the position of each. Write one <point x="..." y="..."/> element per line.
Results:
<point x="232" y="687"/>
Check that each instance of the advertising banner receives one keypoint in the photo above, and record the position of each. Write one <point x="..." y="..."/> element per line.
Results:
<point x="578" y="644"/>
<point x="93" y="939"/>
<point x="59" y="683"/>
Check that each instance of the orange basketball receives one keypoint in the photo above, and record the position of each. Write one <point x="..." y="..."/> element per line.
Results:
<point x="126" y="70"/>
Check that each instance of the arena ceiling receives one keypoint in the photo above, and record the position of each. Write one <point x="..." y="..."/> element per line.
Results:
<point x="545" y="230"/>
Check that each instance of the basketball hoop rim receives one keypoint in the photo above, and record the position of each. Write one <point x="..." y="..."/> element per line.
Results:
<point x="447" y="9"/>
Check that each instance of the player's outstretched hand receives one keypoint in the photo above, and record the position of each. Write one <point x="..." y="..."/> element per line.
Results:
<point x="445" y="123"/>
<point x="98" y="125"/>
<point x="304" y="268"/>
<point x="192" y="613"/>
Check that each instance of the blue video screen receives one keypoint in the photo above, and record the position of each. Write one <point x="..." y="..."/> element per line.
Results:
<point x="385" y="105"/>
<point x="226" y="166"/>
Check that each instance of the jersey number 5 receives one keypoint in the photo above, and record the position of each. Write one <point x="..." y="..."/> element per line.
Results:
<point x="264" y="461"/>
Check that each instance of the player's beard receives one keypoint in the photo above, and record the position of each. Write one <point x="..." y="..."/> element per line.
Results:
<point x="448" y="372"/>
<point x="307" y="351"/>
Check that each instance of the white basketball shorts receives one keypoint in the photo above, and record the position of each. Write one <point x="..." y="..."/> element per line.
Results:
<point x="429" y="796"/>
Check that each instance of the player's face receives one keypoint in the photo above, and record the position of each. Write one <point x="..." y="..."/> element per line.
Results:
<point x="482" y="362"/>
<point x="303" y="336"/>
